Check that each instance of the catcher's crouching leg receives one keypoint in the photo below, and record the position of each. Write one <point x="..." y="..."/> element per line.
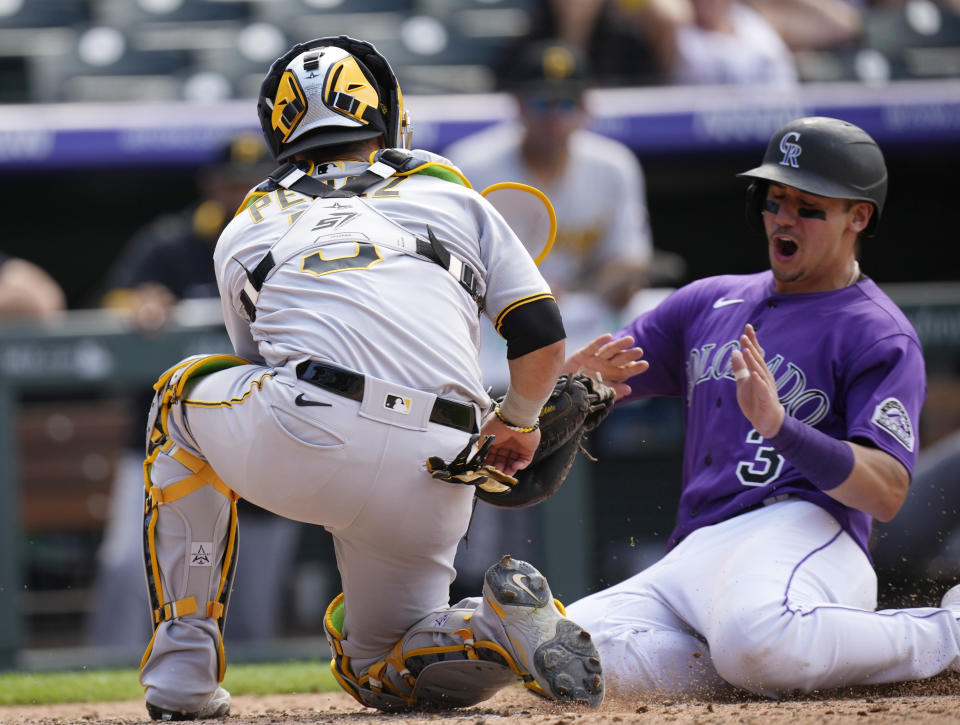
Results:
<point x="190" y="552"/>
<point x="437" y="664"/>
<point x="464" y="655"/>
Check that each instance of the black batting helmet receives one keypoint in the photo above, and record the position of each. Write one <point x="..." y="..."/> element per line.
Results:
<point x="328" y="92"/>
<point x="822" y="156"/>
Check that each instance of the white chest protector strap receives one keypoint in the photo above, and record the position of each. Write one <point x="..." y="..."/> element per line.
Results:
<point x="339" y="215"/>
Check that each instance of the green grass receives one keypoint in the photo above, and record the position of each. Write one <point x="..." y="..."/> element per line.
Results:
<point x="34" y="688"/>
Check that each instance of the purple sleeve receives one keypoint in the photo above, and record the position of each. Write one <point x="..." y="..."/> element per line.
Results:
<point x="885" y="396"/>
<point x="660" y="333"/>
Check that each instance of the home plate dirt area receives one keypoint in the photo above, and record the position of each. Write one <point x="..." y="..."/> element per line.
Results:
<point x="936" y="700"/>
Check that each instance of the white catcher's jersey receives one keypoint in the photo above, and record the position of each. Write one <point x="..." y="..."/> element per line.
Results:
<point x="363" y="305"/>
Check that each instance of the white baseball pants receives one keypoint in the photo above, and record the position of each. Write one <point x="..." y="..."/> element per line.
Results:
<point x="355" y="468"/>
<point x="773" y="601"/>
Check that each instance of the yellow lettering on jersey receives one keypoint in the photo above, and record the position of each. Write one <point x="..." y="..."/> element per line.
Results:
<point x="365" y="256"/>
<point x="289" y="198"/>
<point x="389" y="189"/>
<point x="296" y="215"/>
<point x="256" y="208"/>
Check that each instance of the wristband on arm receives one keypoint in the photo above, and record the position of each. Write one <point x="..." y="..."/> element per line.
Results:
<point x="825" y="461"/>
<point x="519" y="413"/>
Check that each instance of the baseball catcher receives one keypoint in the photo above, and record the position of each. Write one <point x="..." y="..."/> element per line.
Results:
<point x="352" y="281"/>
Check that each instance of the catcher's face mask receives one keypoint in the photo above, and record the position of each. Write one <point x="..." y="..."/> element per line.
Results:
<point x="328" y="92"/>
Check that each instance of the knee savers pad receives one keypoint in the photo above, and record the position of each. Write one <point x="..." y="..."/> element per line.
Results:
<point x="190" y="515"/>
<point x="437" y="663"/>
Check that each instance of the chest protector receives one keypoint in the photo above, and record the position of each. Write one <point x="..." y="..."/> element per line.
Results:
<point x="340" y="215"/>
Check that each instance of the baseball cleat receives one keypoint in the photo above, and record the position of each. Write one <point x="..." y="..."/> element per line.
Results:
<point x="217" y="706"/>
<point x="559" y="654"/>
<point x="951" y="600"/>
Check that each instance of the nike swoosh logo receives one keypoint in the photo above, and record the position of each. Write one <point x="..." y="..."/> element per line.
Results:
<point x="303" y="402"/>
<point x="518" y="580"/>
<point x="723" y="302"/>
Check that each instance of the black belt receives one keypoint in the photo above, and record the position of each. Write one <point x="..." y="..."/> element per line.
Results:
<point x="761" y="504"/>
<point x="350" y="385"/>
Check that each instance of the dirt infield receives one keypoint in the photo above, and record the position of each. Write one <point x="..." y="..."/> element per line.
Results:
<point x="932" y="701"/>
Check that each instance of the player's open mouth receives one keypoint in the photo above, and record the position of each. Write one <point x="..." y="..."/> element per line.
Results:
<point x="785" y="246"/>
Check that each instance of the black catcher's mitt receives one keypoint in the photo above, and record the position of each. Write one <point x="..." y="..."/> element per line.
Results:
<point x="577" y="405"/>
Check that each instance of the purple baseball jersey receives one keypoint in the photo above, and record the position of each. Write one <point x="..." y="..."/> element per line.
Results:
<point x="847" y="362"/>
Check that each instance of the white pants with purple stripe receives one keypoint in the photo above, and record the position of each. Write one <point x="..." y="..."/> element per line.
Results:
<point x="774" y="601"/>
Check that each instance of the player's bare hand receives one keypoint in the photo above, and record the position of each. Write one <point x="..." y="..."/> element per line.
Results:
<point x="609" y="361"/>
<point x="756" y="387"/>
<point x="511" y="450"/>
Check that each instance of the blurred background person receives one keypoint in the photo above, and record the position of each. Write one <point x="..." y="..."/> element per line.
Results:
<point x="166" y="262"/>
<point x="609" y="34"/>
<point x="699" y="42"/>
<point x="27" y="291"/>
<point x="813" y="24"/>
<point x="603" y="254"/>
<point x="603" y="249"/>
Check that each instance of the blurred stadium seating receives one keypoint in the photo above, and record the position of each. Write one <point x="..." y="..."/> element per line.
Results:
<point x="62" y="50"/>
<point x="117" y="50"/>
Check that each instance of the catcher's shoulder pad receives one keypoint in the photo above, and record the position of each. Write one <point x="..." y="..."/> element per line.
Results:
<point x="420" y="161"/>
<point x="577" y="405"/>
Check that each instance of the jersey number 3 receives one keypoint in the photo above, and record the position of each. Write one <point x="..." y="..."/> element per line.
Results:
<point x="765" y="466"/>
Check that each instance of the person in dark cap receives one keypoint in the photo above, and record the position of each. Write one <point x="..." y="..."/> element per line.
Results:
<point x="595" y="183"/>
<point x="171" y="258"/>
<point x="802" y="388"/>
<point x="603" y="252"/>
<point x="168" y="261"/>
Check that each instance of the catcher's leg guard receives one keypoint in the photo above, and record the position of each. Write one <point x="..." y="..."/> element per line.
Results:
<point x="189" y="544"/>
<point x="461" y="656"/>
<point x="436" y="664"/>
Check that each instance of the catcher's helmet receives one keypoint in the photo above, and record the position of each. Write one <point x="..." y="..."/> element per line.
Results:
<point x="823" y="156"/>
<point x="328" y="92"/>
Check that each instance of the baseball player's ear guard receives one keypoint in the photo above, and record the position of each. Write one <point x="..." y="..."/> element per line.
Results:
<point x="203" y="591"/>
<point x="420" y="673"/>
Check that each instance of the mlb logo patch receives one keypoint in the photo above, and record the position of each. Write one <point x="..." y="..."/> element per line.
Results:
<point x="891" y="416"/>
<point x="398" y="404"/>
<point x="201" y="553"/>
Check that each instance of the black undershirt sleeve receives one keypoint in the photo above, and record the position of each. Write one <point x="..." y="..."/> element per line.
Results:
<point x="530" y="324"/>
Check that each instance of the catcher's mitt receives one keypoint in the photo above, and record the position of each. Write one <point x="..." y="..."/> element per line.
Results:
<point x="577" y="405"/>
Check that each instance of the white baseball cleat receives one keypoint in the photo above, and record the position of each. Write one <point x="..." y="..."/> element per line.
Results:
<point x="559" y="654"/>
<point x="217" y="706"/>
<point x="951" y="600"/>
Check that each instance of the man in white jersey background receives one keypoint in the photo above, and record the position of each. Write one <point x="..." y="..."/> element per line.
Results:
<point x="603" y="250"/>
<point x="802" y="388"/>
<point x="603" y="253"/>
<point x="351" y="284"/>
